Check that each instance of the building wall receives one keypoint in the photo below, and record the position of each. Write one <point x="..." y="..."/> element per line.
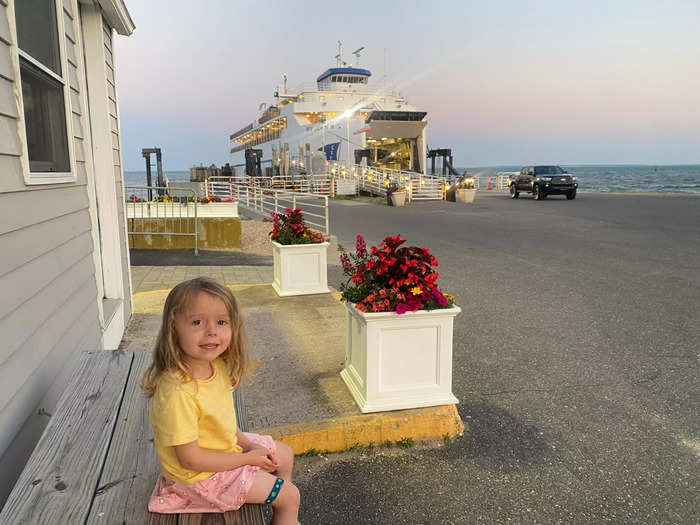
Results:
<point x="50" y="302"/>
<point x="115" y="135"/>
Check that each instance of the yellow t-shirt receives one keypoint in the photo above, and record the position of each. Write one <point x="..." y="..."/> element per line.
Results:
<point x="183" y="412"/>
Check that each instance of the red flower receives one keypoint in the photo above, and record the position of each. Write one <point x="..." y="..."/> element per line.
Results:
<point x="383" y="277"/>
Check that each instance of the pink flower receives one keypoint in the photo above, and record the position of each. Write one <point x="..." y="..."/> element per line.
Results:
<point x="345" y="261"/>
<point x="360" y="245"/>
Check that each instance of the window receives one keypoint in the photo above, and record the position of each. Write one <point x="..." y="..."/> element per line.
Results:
<point x="43" y="87"/>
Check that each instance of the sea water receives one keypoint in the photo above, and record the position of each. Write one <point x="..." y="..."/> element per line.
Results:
<point x="591" y="178"/>
<point x="622" y="178"/>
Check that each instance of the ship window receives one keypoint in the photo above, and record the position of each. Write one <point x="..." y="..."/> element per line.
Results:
<point x="334" y="78"/>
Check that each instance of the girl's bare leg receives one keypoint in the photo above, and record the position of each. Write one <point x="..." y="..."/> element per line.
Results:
<point x="285" y="459"/>
<point x="286" y="505"/>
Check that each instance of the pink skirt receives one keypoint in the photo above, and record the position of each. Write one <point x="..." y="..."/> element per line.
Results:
<point x="221" y="492"/>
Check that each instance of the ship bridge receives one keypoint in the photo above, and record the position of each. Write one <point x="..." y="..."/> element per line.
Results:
<point x="337" y="78"/>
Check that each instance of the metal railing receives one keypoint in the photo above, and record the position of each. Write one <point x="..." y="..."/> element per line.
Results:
<point x="223" y="187"/>
<point x="267" y="199"/>
<point x="377" y="181"/>
<point x="179" y="214"/>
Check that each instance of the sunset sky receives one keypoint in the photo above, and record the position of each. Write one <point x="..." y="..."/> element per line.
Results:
<point x="507" y="83"/>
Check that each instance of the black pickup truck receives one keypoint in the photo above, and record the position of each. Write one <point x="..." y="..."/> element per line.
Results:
<point x="542" y="181"/>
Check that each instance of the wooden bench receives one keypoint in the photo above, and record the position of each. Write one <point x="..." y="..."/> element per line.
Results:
<point x="96" y="462"/>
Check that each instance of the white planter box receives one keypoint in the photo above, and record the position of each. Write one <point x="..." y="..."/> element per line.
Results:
<point x="465" y="195"/>
<point x="398" y="198"/>
<point x="167" y="210"/>
<point x="300" y="269"/>
<point x="397" y="361"/>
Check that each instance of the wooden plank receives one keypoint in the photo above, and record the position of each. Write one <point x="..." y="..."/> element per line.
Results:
<point x="58" y="482"/>
<point x="132" y="467"/>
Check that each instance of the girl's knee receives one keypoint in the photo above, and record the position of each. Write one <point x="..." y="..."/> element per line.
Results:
<point x="285" y="454"/>
<point x="289" y="496"/>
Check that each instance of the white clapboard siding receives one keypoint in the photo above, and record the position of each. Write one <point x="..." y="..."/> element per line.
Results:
<point x="49" y="308"/>
<point x="6" y="69"/>
<point x="29" y="279"/>
<point x="23" y="209"/>
<point x="65" y="325"/>
<point x="8" y="106"/>
<point x="40" y="240"/>
<point x="16" y="363"/>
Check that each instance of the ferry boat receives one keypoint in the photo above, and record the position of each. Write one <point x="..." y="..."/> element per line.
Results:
<point x="343" y="117"/>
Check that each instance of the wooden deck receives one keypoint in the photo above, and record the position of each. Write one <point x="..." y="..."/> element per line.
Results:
<point x="96" y="462"/>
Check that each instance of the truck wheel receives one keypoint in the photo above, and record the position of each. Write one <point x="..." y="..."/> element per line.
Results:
<point x="514" y="193"/>
<point x="571" y="195"/>
<point x="537" y="193"/>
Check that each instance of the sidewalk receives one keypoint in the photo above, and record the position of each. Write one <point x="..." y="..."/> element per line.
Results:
<point x="296" y="394"/>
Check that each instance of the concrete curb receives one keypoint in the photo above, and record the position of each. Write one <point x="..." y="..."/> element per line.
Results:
<point x="338" y="434"/>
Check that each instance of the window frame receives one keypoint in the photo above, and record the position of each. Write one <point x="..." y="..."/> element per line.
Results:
<point x="32" y="178"/>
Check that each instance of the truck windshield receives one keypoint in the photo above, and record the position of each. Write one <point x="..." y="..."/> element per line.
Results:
<point x="548" y="170"/>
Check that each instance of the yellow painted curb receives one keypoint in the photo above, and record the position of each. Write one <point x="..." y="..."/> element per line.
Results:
<point x="231" y="286"/>
<point x="152" y="301"/>
<point x="339" y="434"/>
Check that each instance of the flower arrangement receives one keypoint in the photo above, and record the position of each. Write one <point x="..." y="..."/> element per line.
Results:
<point x="134" y="198"/>
<point x="465" y="182"/>
<point x="289" y="228"/>
<point x="392" y="278"/>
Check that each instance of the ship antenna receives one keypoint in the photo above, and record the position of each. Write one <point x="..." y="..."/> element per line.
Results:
<point x="357" y="54"/>
<point x="384" y="69"/>
<point x="339" y="56"/>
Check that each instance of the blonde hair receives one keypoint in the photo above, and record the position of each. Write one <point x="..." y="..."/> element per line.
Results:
<point x="167" y="354"/>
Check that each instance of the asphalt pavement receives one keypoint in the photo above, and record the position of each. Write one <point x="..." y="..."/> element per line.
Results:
<point x="575" y="360"/>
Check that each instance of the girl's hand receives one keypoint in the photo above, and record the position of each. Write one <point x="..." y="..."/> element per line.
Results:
<point x="260" y="457"/>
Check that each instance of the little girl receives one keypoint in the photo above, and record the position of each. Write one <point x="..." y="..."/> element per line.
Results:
<point x="209" y="465"/>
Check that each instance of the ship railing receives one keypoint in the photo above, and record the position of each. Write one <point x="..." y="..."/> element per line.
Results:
<point x="378" y="180"/>
<point x="151" y="210"/>
<point x="372" y="88"/>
